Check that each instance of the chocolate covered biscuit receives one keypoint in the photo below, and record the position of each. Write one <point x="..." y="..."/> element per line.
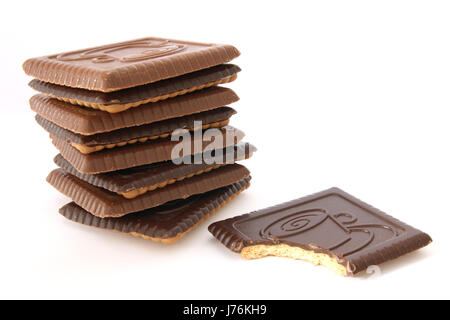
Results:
<point x="215" y="118"/>
<point x="87" y="121"/>
<point x="118" y="101"/>
<point x="139" y="154"/>
<point x="103" y="203"/>
<point x="167" y="223"/>
<point x="136" y="181"/>
<point x="330" y="228"/>
<point x="127" y="64"/>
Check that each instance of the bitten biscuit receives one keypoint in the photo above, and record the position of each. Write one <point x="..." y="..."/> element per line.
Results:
<point x="330" y="228"/>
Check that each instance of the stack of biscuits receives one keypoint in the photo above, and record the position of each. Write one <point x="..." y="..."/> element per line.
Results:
<point x="142" y="133"/>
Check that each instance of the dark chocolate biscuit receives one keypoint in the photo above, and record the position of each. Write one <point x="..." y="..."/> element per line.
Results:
<point x="330" y="228"/>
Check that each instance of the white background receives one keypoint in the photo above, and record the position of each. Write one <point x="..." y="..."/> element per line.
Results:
<point x="353" y="94"/>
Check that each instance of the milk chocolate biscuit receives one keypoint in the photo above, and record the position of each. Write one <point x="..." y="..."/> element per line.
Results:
<point x="140" y="154"/>
<point x="87" y="144"/>
<point x="122" y="100"/>
<point x="103" y="203"/>
<point x="133" y="182"/>
<point x="128" y="64"/>
<point x="330" y="228"/>
<point x="88" y="121"/>
<point x="167" y="223"/>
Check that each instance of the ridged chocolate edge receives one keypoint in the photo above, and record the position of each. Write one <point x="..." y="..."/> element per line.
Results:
<point x="90" y="121"/>
<point x="395" y="250"/>
<point x="141" y="93"/>
<point x="214" y="199"/>
<point x="135" y="74"/>
<point x="102" y="203"/>
<point x="227" y="236"/>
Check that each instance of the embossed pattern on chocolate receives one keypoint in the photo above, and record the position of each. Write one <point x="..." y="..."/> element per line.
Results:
<point x="127" y="64"/>
<point x="130" y="51"/>
<point x="329" y="224"/>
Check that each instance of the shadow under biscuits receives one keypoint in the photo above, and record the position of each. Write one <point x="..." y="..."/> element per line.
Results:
<point x="122" y="240"/>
